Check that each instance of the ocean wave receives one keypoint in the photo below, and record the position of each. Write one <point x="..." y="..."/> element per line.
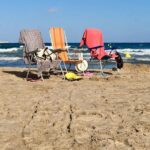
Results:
<point x="16" y="59"/>
<point x="135" y="51"/>
<point x="15" y="53"/>
<point x="143" y="59"/>
<point x="10" y="58"/>
<point x="140" y="52"/>
<point x="9" y="50"/>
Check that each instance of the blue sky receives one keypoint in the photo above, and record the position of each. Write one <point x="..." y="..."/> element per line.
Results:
<point x="120" y="20"/>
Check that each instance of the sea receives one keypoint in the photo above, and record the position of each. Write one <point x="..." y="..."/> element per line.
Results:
<point x="11" y="53"/>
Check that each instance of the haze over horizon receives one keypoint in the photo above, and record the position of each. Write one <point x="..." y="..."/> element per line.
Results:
<point x="120" y="21"/>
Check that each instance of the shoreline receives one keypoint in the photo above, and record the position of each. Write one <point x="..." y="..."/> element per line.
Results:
<point x="13" y="64"/>
<point x="93" y="113"/>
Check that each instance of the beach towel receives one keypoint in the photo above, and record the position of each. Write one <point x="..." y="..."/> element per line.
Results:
<point x="32" y="40"/>
<point x="93" y="39"/>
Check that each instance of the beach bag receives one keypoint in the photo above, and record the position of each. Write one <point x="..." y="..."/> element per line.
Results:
<point x="119" y="60"/>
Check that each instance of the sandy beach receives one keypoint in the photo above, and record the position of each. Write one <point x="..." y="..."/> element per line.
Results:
<point x="97" y="113"/>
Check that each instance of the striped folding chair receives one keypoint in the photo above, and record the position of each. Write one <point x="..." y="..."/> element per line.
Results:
<point x="60" y="45"/>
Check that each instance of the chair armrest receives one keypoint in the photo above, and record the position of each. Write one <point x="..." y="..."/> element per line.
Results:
<point x="59" y="50"/>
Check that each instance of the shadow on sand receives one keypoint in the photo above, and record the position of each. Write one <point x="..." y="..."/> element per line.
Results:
<point x="23" y="74"/>
<point x="32" y="74"/>
<point x="99" y="73"/>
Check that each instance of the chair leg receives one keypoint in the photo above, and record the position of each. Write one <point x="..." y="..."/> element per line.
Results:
<point x="62" y="70"/>
<point x="27" y="75"/>
<point x="42" y="77"/>
<point x="104" y="64"/>
<point x="101" y="67"/>
<point x="29" y="67"/>
<point x="65" y="66"/>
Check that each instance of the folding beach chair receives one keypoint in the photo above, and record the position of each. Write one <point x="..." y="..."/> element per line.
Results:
<point x="35" y="52"/>
<point x="93" y="39"/>
<point x="60" y="45"/>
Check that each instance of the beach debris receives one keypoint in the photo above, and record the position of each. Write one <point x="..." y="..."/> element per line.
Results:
<point x="72" y="76"/>
<point x="127" y="55"/>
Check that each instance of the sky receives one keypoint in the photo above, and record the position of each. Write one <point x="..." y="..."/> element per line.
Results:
<point x="119" y="20"/>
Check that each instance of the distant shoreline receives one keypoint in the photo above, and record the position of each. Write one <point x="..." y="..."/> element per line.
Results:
<point x="1" y="42"/>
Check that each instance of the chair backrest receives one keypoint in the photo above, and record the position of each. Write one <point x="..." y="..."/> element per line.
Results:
<point x="93" y="39"/>
<point x="58" y="40"/>
<point x="31" y="39"/>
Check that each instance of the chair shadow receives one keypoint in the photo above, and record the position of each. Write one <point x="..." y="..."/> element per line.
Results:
<point x="32" y="74"/>
<point x="22" y="74"/>
<point x="108" y="73"/>
<point x="103" y="73"/>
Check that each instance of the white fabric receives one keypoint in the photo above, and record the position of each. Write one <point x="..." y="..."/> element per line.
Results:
<point x="45" y="65"/>
<point x="49" y="54"/>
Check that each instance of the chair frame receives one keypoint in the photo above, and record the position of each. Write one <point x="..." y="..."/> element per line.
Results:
<point x="66" y="49"/>
<point x="30" y="50"/>
<point x="96" y="46"/>
<point x="101" y="61"/>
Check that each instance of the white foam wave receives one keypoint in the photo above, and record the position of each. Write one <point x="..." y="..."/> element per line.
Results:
<point x="10" y="58"/>
<point x="8" y="50"/>
<point x="21" y="46"/>
<point x="143" y="59"/>
<point x="140" y="52"/>
<point x="135" y="53"/>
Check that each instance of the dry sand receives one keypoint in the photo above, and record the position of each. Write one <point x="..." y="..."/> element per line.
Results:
<point x="95" y="113"/>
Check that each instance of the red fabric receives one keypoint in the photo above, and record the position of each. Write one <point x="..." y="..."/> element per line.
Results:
<point x="93" y="38"/>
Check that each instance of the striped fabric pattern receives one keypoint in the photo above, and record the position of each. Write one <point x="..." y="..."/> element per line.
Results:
<point x="58" y="42"/>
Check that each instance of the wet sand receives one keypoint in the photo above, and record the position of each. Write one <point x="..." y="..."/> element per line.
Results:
<point x="111" y="113"/>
